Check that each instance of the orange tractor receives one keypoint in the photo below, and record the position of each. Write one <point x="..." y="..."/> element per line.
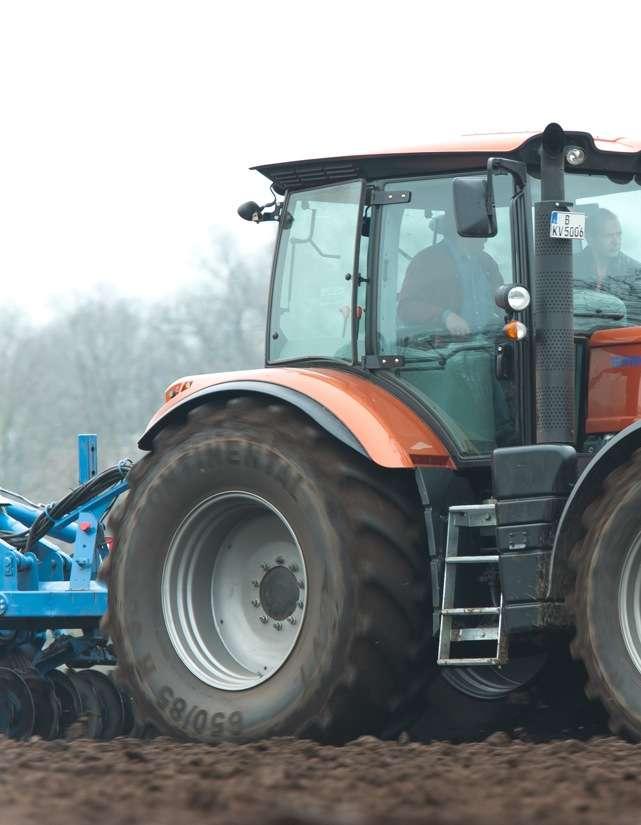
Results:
<point x="438" y="467"/>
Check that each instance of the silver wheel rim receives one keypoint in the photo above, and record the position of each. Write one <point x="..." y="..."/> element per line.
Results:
<point x="630" y="602"/>
<point x="234" y="590"/>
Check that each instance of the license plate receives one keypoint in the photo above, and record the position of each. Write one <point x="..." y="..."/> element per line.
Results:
<point x="567" y="225"/>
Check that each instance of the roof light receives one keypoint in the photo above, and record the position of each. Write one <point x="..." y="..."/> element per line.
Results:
<point x="515" y="330"/>
<point x="575" y="156"/>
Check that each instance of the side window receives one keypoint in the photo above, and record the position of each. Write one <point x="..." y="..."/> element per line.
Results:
<point x="361" y="295"/>
<point x="312" y="298"/>
<point x="437" y="312"/>
<point x="425" y="230"/>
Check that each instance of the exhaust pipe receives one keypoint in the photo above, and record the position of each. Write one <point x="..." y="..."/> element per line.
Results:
<point x="553" y="302"/>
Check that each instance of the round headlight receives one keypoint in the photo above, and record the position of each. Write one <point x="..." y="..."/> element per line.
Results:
<point x="518" y="298"/>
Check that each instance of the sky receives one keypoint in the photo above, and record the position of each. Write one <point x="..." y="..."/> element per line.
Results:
<point x="127" y="129"/>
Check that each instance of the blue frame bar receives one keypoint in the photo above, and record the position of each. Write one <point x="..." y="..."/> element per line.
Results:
<point x="49" y="603"/>
<point x="87" y="457"/>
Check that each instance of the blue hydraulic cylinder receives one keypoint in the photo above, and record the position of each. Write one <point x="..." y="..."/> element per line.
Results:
<point x="27" y="515"/>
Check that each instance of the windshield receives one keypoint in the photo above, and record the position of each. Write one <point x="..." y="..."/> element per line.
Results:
<point x="607" y="264"/>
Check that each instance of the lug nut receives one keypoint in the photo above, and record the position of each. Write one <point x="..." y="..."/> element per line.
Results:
<point x="291" y="620"/>
<point x="255" y="603"/>
<point x="278" y="626"/>
<point x="255" y="583"/>
<point x="293" y="568"/>
<point x="264" y="619"/>
<point x="300" y="605"/>
<point x="280" y="560"/>
<point x="264" y="566"/>
<point x="301" y="584"/>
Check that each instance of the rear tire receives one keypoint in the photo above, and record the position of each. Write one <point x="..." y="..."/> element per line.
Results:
<point x="607" y="599"/>
<point x="255" y="484"/>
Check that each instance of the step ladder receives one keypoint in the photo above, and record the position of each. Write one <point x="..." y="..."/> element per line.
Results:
<point x="452" y="615"/>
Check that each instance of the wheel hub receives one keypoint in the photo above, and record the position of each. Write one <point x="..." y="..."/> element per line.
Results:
<point x="279" y="593"/>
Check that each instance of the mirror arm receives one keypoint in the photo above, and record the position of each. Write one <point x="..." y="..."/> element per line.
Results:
<point x="505" y="166"/>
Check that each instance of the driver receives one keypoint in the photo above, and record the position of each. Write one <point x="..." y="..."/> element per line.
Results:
<point x="604" y="267"/>
<point x="451" y="285"/>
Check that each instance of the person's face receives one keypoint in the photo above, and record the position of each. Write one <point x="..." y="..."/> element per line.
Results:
<point x="607" y="239"/>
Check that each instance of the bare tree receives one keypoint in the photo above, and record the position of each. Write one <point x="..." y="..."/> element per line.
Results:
<point x="103" y="362"/>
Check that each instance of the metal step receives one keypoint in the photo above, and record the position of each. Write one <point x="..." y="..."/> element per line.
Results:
<point x="470" y="662"/>
<point x="472" y="560"/>
<point x="469" y="611"/>
<point x="468" y="516"/>
<point x="474" y="634"/>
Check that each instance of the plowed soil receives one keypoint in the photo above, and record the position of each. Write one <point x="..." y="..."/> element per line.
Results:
<point x="499" y="780"/>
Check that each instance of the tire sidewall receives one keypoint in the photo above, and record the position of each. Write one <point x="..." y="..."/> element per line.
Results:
<point x="175" y="699"/>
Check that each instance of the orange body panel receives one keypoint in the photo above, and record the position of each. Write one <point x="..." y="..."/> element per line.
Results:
<point x="506" y="142"/>
<point x="493" y="142"/>
<point x="614" y="383"/>
<point x="390" y="432"/>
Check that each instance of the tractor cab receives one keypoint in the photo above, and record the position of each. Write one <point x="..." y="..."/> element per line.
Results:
<point x="372" y="274"/>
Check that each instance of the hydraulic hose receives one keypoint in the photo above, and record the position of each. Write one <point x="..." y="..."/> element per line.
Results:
<point x="72" y="501"/>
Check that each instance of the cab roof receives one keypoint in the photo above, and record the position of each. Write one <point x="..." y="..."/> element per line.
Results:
<point x="614" y="155"/>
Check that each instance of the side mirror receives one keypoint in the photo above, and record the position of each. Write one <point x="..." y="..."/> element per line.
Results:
<point x="474" y="207"/>
<point x="250" y="211"/>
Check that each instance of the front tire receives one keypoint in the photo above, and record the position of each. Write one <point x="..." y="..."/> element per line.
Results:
<point x="607" y="599"/>
<point x="268" y="581"/>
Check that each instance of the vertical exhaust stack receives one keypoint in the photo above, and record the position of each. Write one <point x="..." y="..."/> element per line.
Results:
<point x="553" y="302"/>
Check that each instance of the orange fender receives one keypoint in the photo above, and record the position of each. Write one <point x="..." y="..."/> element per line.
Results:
<point x="357" y="411"/>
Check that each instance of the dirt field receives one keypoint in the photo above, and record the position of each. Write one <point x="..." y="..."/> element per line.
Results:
<point x="289" y="782"/>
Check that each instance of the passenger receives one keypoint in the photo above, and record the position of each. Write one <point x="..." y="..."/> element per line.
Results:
<point x="450" y="286"/>
<point x="603" y="266"/>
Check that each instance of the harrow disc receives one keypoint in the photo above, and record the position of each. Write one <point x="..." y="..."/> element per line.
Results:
<point x="47" y="706"/>
<point x="17" y="709"/>
<point x="129" y="719"/>
<point x="90" y="710"/>
<point x="110" y="701"/>
<point x="68" y="697"/>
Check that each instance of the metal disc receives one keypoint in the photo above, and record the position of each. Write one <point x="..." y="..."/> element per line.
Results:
<point x="17" y="710"/>
<point x="68" y="697"/>
<point x="90" y="710"/>
<point x="129" y="720"/>
<point x="47" y="706"/>
<point x="112" y="710"/>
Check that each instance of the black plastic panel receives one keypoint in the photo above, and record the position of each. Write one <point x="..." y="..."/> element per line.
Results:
<point x="523" y="618"/>
<point x="524" y="575"/>
<point x="517" y="537"/>
<point x="524" y="510"/>
<point x="537" y="470"/>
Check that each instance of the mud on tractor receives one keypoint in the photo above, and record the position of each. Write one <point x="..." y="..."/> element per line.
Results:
<point x="438" y="468"/>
